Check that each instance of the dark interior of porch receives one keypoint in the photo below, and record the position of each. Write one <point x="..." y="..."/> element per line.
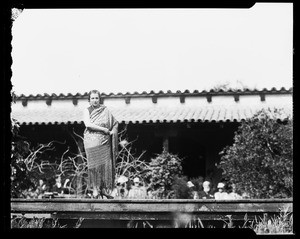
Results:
<point x="198" y="144"/>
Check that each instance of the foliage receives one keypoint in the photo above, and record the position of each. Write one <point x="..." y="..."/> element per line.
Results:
<point x="182" y="191"/>
<point x="180" y="188"/>
<point x="161" y="173"/>
<point x="127" y="163"/>
<point x="20" y="178"/>
<point x="198" y="182"/>
<point x="23" y="222"/>
<point x="29" y="164"/>
<point x="260" y="161"/>
<point x="231" y="86"/>
<point x="283" y="223"/>
<point x="277" y="224"/>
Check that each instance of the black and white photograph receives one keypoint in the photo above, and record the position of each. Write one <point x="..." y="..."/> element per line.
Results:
<point x="153" y="118"/>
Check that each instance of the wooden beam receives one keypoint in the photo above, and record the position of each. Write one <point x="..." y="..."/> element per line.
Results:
<point x="262" y="97"/>
<point x="208" y="98"/>
<point x="154" y="99"/>
<point x="49" y="101"/>
<point x="127" y="100"/>
<point x="182" y="99"/>
<point x="24" y="102"/>
<point x="142" y="216"/>
<point x="236" y="97"/>
<point x="145" y="209"/>
<point x="75" y="101"/>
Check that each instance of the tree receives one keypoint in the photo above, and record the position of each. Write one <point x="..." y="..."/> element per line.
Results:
<point x="260" y="161"/>
<point x="161" y="173"/>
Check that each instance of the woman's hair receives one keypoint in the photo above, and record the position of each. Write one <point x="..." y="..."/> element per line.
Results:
<point x="93" y="92"/>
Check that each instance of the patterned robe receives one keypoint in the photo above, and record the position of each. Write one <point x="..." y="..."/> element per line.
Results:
<point x="101" y="149"/>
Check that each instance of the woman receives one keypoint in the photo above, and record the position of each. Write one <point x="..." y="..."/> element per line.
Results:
<point x="100" y="143"/>
<point x="221" y="194"/>
<point x="206" y="193"/>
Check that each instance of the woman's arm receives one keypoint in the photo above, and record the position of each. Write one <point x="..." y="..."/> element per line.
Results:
<point x="114" y="129"/>
<point x="89" y="125"/>
<point x="113" y="124"/>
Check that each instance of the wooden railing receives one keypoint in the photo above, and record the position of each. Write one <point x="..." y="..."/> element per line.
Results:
<point x="165" y="209"/>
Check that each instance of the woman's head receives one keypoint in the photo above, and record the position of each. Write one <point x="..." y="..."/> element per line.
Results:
<point x="206" y="186"/>
<point x="136" y="181"/>
<point x="221" y="187"/>
<point x="94" y="97"/>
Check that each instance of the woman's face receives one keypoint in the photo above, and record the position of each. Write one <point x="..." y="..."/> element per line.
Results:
<point x="94" y="99"/>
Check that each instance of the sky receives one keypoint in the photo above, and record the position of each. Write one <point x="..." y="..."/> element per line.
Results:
<point x="135" y="50"/>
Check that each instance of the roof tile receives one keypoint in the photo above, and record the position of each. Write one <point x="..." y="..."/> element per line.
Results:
<point x="148" y="114"/>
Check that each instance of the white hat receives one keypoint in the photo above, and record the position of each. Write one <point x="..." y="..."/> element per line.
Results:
<point x="136" y="180"/>
<point x="122" y="179"/>
<point x="190" y="184"/>
<point x="221" y="185"/>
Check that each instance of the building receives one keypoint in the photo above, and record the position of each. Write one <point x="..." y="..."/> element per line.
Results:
<point x="194" y="125"/>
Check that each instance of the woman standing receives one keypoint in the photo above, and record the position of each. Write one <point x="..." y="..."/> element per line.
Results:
<point x="100" y="143"/>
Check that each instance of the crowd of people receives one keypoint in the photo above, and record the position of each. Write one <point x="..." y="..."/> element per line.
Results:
<point x="46" y="189"/>
<point x="221" y="193"/>
<point x="125" y="189"/>
<point x="133" y="189"/>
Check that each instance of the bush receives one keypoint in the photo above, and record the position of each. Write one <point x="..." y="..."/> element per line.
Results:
<point x="161" y="173"/>
<point x="20" y="178"/>
<point x="260" y="161"/>
<point x="180" y="188"/>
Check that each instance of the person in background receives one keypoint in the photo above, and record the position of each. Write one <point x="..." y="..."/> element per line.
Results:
<point x="193" y="192"/>
<point x="206" y="192"/>
<point x="150" y="194"/>
<point x="221" y="194"/>
<point x="233" y="194"/>
<point x="137" y="191"/>
<point x="120" y="191"/>
<point x="58" y="187"/>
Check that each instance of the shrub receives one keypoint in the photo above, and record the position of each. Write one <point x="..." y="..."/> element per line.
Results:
<point x="161" y="173"/>
<point x="180" y="188"/>
<point x="20" y="178"/>
<point x="260" y="161"/>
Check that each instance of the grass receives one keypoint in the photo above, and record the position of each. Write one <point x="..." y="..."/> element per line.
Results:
<point x="23" y="222"/>
<point x="282" y="224"/>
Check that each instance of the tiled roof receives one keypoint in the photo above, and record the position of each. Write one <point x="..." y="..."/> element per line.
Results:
<point x="170" y="108"/>
<point x="145" y="115"/>
<point x="162" y="114"/>
<point x="160" y="93"/>
<point x="187" y="114"/>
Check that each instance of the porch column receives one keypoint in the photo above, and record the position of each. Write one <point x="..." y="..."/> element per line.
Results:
<point x="165" y="133"/>
<point x="166" y="143"/>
